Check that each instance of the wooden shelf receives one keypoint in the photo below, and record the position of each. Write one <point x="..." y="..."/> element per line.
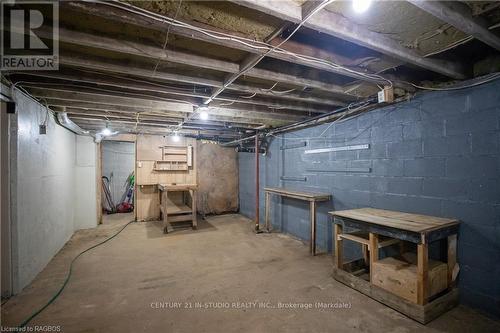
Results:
<point x="178" y="209"/>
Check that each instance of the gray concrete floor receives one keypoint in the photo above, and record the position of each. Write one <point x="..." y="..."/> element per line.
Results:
<point x="119" y="286"/>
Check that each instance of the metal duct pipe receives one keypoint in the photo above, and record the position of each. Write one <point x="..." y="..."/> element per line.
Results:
<point x="64" y="121"/>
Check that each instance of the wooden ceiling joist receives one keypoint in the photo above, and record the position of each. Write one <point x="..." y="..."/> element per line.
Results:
<point x="287" y="53"/>
<point x="338" y="26"/>
<point x="160" y="75"/>
<point x="459" y="15"/>
<point x="86" y="80"/>
<point x="156" y="53"/>
<point x="54" y="95"/>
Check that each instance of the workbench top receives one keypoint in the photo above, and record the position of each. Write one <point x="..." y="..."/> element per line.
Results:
<point x="299" y="194"/>
<point x="399" y="220"/>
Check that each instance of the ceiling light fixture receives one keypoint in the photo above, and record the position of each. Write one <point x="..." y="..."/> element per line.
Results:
<point x="176" y="137"/>
<point x="203" y="115"/>
<point x="106" y="132"/>
<point x="361" y="6"/>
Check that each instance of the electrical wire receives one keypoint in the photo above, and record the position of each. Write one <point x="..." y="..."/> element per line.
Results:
<point x="490" y="78"/>
<point x="166" y="38"/>
<point x="68" y="276"/>
<point x="245" y="41"/>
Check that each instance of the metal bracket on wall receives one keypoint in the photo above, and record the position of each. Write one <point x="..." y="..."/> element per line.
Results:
<point x="298" y="179"/>
<point x="294" y="145"/>
<point x="331" y="149"/>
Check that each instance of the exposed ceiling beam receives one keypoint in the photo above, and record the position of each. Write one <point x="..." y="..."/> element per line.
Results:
<point x="157" y="53"/>
<point x="65" y="98"/>
<point x="137" y="70"/>
<point x="85" y="107"/>
<point x="86" y="80"/>
<point x="460" y="16"/>
<point x="206" y="126"/>
<point x="123" y="126"/>
<point x="123" y="16"/>
<point x="173" y="120"/>
<point x="338" y="26"/>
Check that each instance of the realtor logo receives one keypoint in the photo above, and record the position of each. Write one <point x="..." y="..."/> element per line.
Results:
<point x="30" y="35"/>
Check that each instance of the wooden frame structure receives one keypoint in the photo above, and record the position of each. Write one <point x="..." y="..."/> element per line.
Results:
<point x="311" y="197"/>
<point x="385" y="228"/>
<point x="177" y="209"/>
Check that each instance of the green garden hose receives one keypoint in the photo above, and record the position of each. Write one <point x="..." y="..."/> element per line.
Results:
<point x="58" y="293"/>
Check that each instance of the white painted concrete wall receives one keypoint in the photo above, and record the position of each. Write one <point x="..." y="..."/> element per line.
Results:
<point x="85" y="183"/>
<point x="46" y="190"/>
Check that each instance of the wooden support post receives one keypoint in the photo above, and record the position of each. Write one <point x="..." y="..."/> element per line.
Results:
<point x="373" y="252"/>
<point x="366" y="258"/>
<point x="193" y="207"/>
<point x="452" y="258"/>
<point x="338" y="245"/>
<point x="268" y="209"/>
<point x="422" y="273"/>
<point x="312" y="208"/>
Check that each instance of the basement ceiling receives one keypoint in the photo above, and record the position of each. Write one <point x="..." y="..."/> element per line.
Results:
<point x="124" y="64"/>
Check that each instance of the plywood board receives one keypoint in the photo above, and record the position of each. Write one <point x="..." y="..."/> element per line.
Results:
<point x="148" y="203"/>
<point x="217" y="178"/>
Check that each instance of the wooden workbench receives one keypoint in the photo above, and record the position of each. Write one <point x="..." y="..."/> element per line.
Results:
<point x="383" y="228"/>
<point x="176" y="207"/>
<point x="312" y="197"/>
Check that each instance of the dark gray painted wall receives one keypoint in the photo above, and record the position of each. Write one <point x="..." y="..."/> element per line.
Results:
<point x="438" y="154"/>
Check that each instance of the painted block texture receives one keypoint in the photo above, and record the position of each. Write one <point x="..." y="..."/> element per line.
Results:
<point x="437" y="154"/>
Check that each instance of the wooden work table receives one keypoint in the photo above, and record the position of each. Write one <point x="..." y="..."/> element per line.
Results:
<point x="175" y="206"/>
<point x="377" y="228"/>
<point x="312" y="197"/>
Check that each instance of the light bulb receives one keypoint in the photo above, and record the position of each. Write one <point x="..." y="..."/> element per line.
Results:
<point x="106" y="132"/>
<point x="361" y="6"/>
<point x="203" y="115"/>
<point x="176" y="137"/>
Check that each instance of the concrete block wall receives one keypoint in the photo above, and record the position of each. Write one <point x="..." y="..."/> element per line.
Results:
<point x="438" y="154"/>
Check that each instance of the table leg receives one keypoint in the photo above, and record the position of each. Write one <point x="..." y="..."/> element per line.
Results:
<point x="167" y="227"/>
<point x="452" y="258"/>
<point x="312" y="209"/>
<point x="268" y="208"/>
<point x="422" y="273"/>
<point x="337" y="230"/>
<point x="366" y="256"/>
<point x="193" y="207"/>
<point x="373" y="238"/>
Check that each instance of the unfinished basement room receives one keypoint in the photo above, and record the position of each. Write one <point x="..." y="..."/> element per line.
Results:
<point x="250" y="166"/>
